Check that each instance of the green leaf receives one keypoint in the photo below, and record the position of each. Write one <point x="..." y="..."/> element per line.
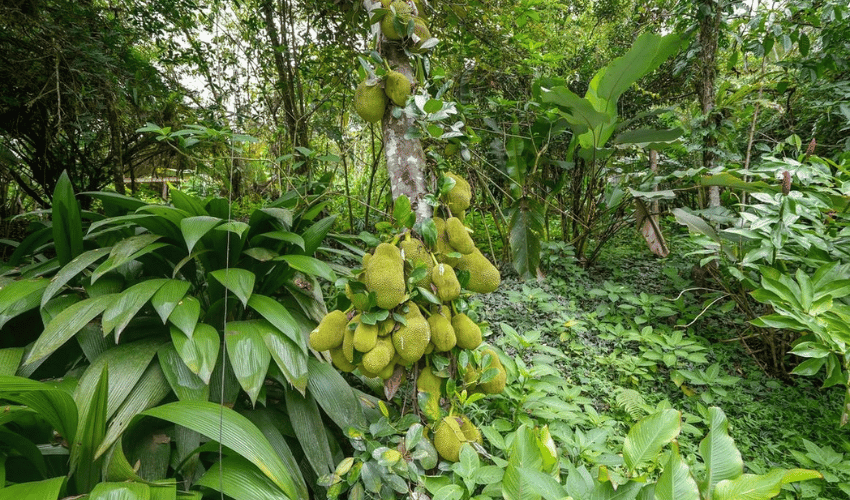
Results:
<point x="310" y="431"/>
<point x="187" y="203"/>
<point x="647" y="53"/>
<point x="314" y="235"/>
<point x="402" y="212"/>
<point x="69" y="271"/>
<point x="234" y="431"/>
<point x="66" y="324"/>
<point x="14" y="443"/>
<point x="118" y="315"/>
<point x="544" y="484"/>
<point x="125" y="251"/>
<point x="289" y="358"/>
<point x="54" y="405"/>
<point x="249" y="356"/>
<point x="49" y="489"/>
<point x="67" y="222"/>
<point x="525" y="225"/>
<point x="200" y="351"/>
<point x="10" y="359"/>
<point x="646" y="438"/>
<point x="676" y="482"/>
<point x="92" y="400"/>
<point x="719" y="453"/>
<point x="275" y="313"/>
<point x="760" y="487"/>
<point x="194" y="228"/>
<point x="268" y="421"/>
<point x="185" y="384"/>
<point x="117" y="202"/>
<point x="578" y="111"/>
<point x="238" y="281"/>
<point x="185" y="315"/>
<point x="166" y="298"/>
<point x="335" y="396"/>
<point x="309" y="265"/>
<point x="651" y="138"/>
<point x="695" y="224"/>
<point x="20" y="296"/>
<point x="286" y="236"/>
<point x="120" y="491"/>
<point x="239" y="479"/>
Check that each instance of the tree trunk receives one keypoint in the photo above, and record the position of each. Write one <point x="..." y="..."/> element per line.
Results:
<point x="709" y="14"/>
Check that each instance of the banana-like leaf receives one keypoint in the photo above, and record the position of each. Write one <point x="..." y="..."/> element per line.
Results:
<point x="286" y="236"/>
<point x="291" y="360"/>
<point x="695" y="224"/>
<point x="249" y="356"/>
<point x="92" y="406"/>
<point x="726" y="179"/>
<point x="186" y="202"/>
<point x="118" y="315"/>
<point x="200" y="351"/>
<point x="194" y="228"/>
<point x="116" y="467"/>
<point x="10" y="359"/>
<point x="67" y="221"/>
<point x="268" y="421"/>
<point x="185" y="384"/>
<point x="166" y="298"/>
<point x="125" y="251"/>
<point x="542" y="484"/>
<point x="606" y="491"/>
<point x="163" y="492"/>
<point x="49" y="489"/>
<point x="185" y="315"/>
<point x="66" y="324"/>
<point x="238" y="281"/>
<point x="72" y="269"/>
<point x="526" y="226"/>
<point x="646" y="438"/>
<point x="309" y="265"/>
<point x="719" y="453"/>
<point x="18" y="444"/>
<point x="120" y="491"/>
<point x="676" y="482"/>
<point x="314" y="234"/>
<point x="54" y="405"/>
<point x="275" y="313"/>
<point x="578" y="111"/>
<point x="234" y="431"/>
<point x="760" y="487"/>
<point x="650" y="138"/>
<point x="310" y="430"/>
<point x="335" y="396"/>
<point x="151" y="388"/>
<point x="20" y="296"/>
<point x="118" y="203"/>
<point x="239" y="479"/>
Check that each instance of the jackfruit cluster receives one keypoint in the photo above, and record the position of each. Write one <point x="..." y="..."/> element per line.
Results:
<point x="451" y="434"/>
<point x="404" y="12"/>
<point x="370" y="101"/>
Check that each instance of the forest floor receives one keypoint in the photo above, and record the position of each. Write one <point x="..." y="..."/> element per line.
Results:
<point x="595" y="350"/>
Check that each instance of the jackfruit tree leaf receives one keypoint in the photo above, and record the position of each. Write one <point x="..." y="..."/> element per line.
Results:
<point x="309" y="265"/>
<point x="236" y="433"/>
<point x="185" y="315"/>
<point x="279" y="316"/>
<point x="646" y="438"/>
<point x="241" y="480"/>
<point x="314" y="235"/>
<point x="66" y="324"/>
<point x="200" y="351"/>
<point x="21" y="296"/>
<point x="48" y="489"/>
<point x="69" y="271"/>
<point x="194" y="228"/>
<point x="249" y="356"/>
<point x="118" y="315"/>
<point x="402" y="212"/>
<point x="166" y="298"/>
<point x="238" y="281"/>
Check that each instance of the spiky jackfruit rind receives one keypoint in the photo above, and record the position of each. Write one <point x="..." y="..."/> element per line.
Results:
<point x="444" y="279"/>
<point x="497" y="384"/>
<point x="430" y="390"/>
<point x="379" y="357"/>
<point x="370" y="101"/>
<point x="340" y="361"/>
<point x="459" y="197"/>
<point x="397" y="87"/>
<point x="416" y="255"/>
<point x="404" y="14"/>
<point x="330" y="331"/>
<point x="385" y="276"/>
<point x="421" y="33"/>
<point x="448" y="438"/>
<point x="442" y="246"/>
<point x="365" y="337"/>
<point x="348" y="344"/>
<point x="458" y="236"/>
<point x="484" y="277"/>
<point x="467" y="331"/>
<point x="442" y="332"/>
<point x="411" y="339"/>
<point x="360" y="301"/>
<point x="469" y="430"/>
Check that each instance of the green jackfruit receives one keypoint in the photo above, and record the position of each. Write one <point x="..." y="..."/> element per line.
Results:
<point x="397" y="87"/>
<point x="386" y="327"/>
<point x="417" y="255"/>
<point x="340" y="361"/>
<point x="467" y="332"/>
<point x="460" y="195"/>
<point x="385" y="276"/>
<point x="379" y="357"/>
<point x="370" y="101"/>
<point x="458" y="236"/>
<point x="330" y="331"/>
<point x="443" y="247"/>
<point x="483" y="276"/>
<point x="470" y="377"/>
<point x="421" y="33"/>
<point x="420" y="8"/>
<point x="429" y="385"/>
<point x="387" y="372"/>
<point x="411" y="339"/>
<point x="365" y="259"/>
<point x="443" y="277"/>
<point x="365" y="337"/>
<point x="360" y="301"/>
<point x="404" y="14"/>
<point x="497" y="384"/>
<point x="470" y="431"/>
<point x="448" y="438"/>
<point x="348" y="344"/>
<point x="442" y="333"/>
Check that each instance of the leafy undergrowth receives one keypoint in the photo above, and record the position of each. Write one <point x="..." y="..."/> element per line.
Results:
<point x="593" y="351"/>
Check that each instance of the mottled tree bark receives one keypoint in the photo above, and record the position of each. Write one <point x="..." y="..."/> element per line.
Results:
<point x="709" y="14"/>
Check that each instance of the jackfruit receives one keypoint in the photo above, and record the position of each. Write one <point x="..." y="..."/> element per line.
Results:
<point x="442" y="245"/>
<point x="458" y="236"/>
<point x="411" y="339"/>
<point x="420" y="8"/>
<point x="386" y="327"/>
<point x="397" y="87"/>
<point x="365" y="259"/>
<point x="497" y="384"/>
<point x="429" y="401"/>
<point x="370" y="101"/>
<point x="404" y="14"/>
<point x="470" y="431"/>
<point x="451" y="149"/>
<point x="387" y="372"/>
<point x="443" y="277"/>
<point x="348" y="343"/>
<point x="379" y="357"/>
<point x="448" y="438"/>
<point x="340" y="361"/>
<point x="421" y="33"/>
<point x="417" y="255"/>
<point x="360" y="301"/>
<point x="467" y="332"/>
<point x="442" y="333"/>
<point x="483" y="276"/>
<point x="385" y="276"/>
<point x="365" y="337"/>
<point x="470" y="378"/>
<point x="330" y="331"/>
<point x="460" y="195"/>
